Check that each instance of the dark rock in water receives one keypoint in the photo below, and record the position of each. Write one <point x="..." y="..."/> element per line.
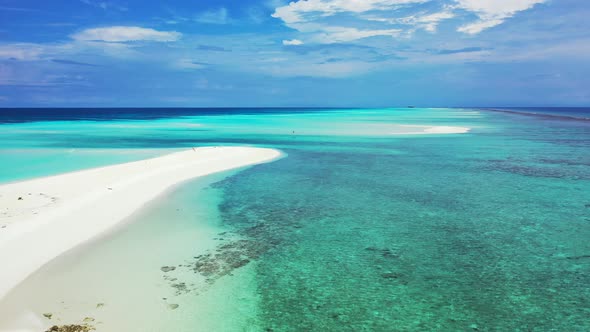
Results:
<point x="207" y="266"/>
<point x="181" y="288"/>
<point x="229" y="257"/>
<point x="167" y="268"/>
<point x="70" y="328"/>
<point x="390" y="275"/>
<point x="532" y="170"/>
<point x="387" y="253"/>
<point x="173" y="306"/>
<point x="578" y="257"/>
<point x="237" y="262"/>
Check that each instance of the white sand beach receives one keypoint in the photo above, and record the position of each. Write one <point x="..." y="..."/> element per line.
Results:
<point x="434" y="130"/>
<point x="43" y="218"/>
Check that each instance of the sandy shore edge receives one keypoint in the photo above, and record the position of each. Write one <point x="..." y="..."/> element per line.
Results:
<point x="434" y="130"/>
<point x="45" y="217"/>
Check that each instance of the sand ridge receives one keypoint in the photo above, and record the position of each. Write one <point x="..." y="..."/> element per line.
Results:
<point x="42" y="218"/>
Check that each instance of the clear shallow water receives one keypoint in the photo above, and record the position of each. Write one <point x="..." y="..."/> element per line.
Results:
<point x="116" y="282"/>
<point x="25" y="163"/>
<point x="34" y="144"/>
<point x="358" y="231"/>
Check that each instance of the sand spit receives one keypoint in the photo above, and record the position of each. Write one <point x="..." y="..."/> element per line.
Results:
<point x="42" y="218"/>
<point x="435" y="130"/>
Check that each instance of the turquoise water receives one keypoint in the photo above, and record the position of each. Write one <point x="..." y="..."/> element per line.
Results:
<point x="39" y="148"/>
<point x="361" y="230"/>
<point x="25" y="163"/>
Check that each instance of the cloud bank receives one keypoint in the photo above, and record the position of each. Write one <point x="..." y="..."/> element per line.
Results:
<point x="126" y="34"/>
<point x="492" y="12"/>
<point x="334" y="21"/>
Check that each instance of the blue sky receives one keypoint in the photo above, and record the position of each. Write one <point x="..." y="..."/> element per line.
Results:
<point x="371" y="53"/>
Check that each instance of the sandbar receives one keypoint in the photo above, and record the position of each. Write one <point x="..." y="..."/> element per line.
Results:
<point x="45" y="217"/>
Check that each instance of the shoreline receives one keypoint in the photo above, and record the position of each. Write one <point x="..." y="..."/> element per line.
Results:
<point x="43" y="218"/>
<point x="122" y="269"/>
<point x="436" y="130"/>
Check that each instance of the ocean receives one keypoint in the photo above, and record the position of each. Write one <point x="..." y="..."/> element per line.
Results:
<point x="364" y="226"/>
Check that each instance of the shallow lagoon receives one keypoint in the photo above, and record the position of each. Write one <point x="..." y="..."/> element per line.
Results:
<point x="355" y="232"/>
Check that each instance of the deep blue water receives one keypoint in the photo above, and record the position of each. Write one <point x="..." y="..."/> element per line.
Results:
<point x="16" y="115"/>
<point x="574" y="113"/>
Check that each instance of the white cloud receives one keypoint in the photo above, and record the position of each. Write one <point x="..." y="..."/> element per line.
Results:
<point x="105" y="5"/>
<point x="479" y="26"/>
<point x="492" y="12"/>
<point x="342" y="35"/>
<point x="126" y="34"/>
<point x="189" y="64"/>
<point x="428" y="22"/>
<point x="292" y="42"/>
<point x="497" y="7"/>
<point x="204" y="84"/>
<point x="218" y="16"/>
<point x="361" y="19"/>
<point x="296" y="11"/>
<point x="49" y="51"/>
<point x="22" y="51"/>
<point x="312" y="69"/>
<point x="307" y="16"/>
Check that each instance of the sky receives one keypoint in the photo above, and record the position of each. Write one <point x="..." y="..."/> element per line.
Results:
<point x="304" y="53"/>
